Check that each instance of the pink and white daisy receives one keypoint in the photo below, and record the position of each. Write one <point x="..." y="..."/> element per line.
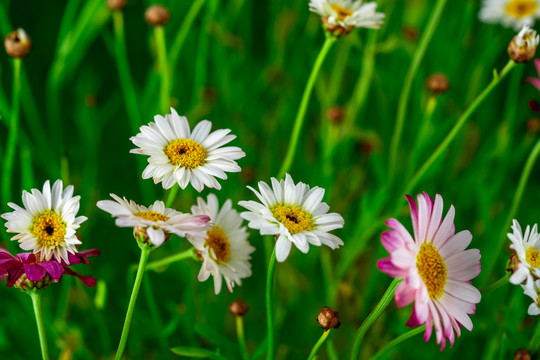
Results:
<point x="435" y="267"/>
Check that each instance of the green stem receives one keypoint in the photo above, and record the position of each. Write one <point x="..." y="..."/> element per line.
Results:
<point x="381" y="306"/>
<point x="154" y="265"/>
<point x="406" y="89"/>
<point x="459" y="124"/>
<point x="269" y="308"/>
<point x="181" y="35"/>
<point x="392" y="344"/>
<point x="315" y="349"/>
<point x="293" y="143"/>
<point x="36" y="302"/>
<point x="9" y="160"/>
<point x="172" y="195"/>
<point x="241" y="339"/>
<point x="164" y="93"/>
<point x="145" y="252"/>
<point x="497" y="284"/>
<point x="534" y="344"/>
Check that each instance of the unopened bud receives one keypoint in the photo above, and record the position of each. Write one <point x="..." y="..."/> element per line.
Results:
<point x="24" y="284"/>
<point x="157" y="15"/>
<point x="335" y="114"/>
<point x="336" y="30"/>
<point x="437" y="83"/>
<point x="522" y="354"/>
<point x="17" y="43"/>
<point x="238" y="308"/>
<point x="328" y="318"/>
<point x="523" y="46"/>
<point x="139" y="232"/>
<point x="513" y="263"/>
<point x="116" y="4"/>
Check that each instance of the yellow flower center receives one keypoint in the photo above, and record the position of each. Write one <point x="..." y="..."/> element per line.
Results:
<point x="49" y="228"/>
<point x="152" y="216"/>
<point x="342" y="12"/>
<point x="432" y="270"/>
<point x="186" y="153"/>
<point x="533" y="256"/>
<point x="521" y="8"/>
<point x="293" y="217"/>
<point x="217" y="240"/>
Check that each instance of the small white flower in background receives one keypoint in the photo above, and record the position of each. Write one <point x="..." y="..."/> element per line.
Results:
<point x="510" y="13"/>
<point x="180" y="156"/>
<point x="532" y="289"/>
<point x="348" y="13"/>
<point x="157" y="221"/>
<point x="225" y="249"/>
<point x="527" y="248"/>
<point x="294" y="214"/>
<point x="48" y="221"/>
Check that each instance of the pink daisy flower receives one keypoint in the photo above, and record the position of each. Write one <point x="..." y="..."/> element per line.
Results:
<point x="435" y="267"/>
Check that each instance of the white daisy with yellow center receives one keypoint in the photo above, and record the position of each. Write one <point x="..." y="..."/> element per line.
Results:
<point x="294" y="214"/>
<point x="527" y="248"/>
<point x="224" y="248"/>
<point x="532" y="289"/>
<point x="48" y="221"/>
<point x="348" y="13"/>
<point x="181" y="156"/>
<point x="510" y="13"/>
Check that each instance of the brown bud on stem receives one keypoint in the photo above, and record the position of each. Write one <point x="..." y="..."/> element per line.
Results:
<point x="116" y="4"/>
<point x="437" y="83"/>
<point x="157" y="15"/>
<point x="523" y="46"/>
<point x="522" y="354"/>
<point x="17" y="43"/>
<point x="328" y="318"/>
<point x="336" y="114"/>
<point x="238" y="308"/>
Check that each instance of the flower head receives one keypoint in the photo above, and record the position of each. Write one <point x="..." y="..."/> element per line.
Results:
<point x="532" y="289"/>
<point x="156" y="221"/>
<point x="48" y="221"/>
<point x="527" y="248"/>
<point x="294" y="214"/>
<point x="523" y="46"/>
<point x="224" y="248"/>
<point x="510" y="13"/>
<point x="435" y="267"/>
<point x="178" y="155"/>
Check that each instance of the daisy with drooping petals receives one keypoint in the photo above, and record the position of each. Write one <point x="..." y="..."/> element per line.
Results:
<point x="435" y="267"/>
<point x="48" y="221"/>
<point x="348" y="13"/>
<point x="178" y="155"/>
<point x="527" y="248"/>
<point x="293" y="213"/>
<point x="532" y="289"/>
<point x="225" y="249"/>
<point x="157" y="221"/>
<point x="510" y="13"/>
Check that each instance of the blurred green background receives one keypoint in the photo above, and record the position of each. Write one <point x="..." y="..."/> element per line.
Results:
<point x="243" y="66"/>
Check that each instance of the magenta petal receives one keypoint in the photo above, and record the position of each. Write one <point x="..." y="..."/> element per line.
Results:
<point x="534" y="81"/>
<point x="537" y="65"/>
<point x="34" y="272"/>
<point x="386" y="266"/>
<point x="53" y="268"/>
<point x="86" y="280"/>
<point x="14" y="275"/>
<point x="27" y="258"/>
<point x="4" y="254"/>
<point x="404" y="294"/>
<point x="391" y="241"/>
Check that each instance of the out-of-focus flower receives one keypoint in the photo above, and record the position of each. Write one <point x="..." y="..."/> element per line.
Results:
<point x="155" y="223"/>
<point x="238" y="308"/>
<point x="294" y="214"/>
<point x="435" y="267"/>
<point x="48" y="221"/>
<point x="532" y="289"/>
<point x="437" y="83"/>
<point x="224" y="248"/>
<point x="157" y="15"/>
<point x="527" y="248"/>
<point x="510" y="13"/>
<point x="523" y="46"/>
<point x="178" y="155"/>
<point x="535" y="81"/>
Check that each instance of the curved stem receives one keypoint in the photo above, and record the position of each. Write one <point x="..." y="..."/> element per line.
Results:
<point x="145" y="252"/>
<point x="164" y="93"/>
<point x="241" y="339"/>
<point x="182" y="33"/>
<point x="172" y="195"/>
<point x="170" y="259"/>
<point x="269" y="308"/>
<point x="406" y="89"/>
<point x="392" y="344"/>
<point x="315" y="349"/>
<point x="36" y="302"/>
<point x="497" y="284"/>
<point x="293" y="143"/>
<point x="381" y="306"/>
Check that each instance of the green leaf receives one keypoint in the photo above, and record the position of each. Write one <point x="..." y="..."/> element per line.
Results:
<point x="199" y="353"/>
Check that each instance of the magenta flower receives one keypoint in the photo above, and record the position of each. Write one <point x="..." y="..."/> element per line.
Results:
<point x="535" y="81"/>
<point x="435" y="267"/>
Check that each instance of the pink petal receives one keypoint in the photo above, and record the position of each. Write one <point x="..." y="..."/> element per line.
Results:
<point x="386" y="266"/>
<point x="403" y="258"/>
<point x="404" y="294"/>
<point x="436" y="217"/>
<point x="85" y="279"/>
<point x="456" y="244"/>
<point x="446" y="230"/>
<point x="534" y="81"/>
<point x="34" y="272"/>
<point x="414" y="214"/>
<point x="423" y="218"/>
<point x="391" y="241"/>
<point x="400" y="230"/>
<point x="53" y="268"/>
<point x="462" y="290"/>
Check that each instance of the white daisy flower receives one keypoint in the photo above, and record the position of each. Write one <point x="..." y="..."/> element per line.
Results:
<point x="225" y="249"/>
<point x="48" y="221"/>
<point x="293" y="213"/>
<point x="157" y="221"/>
<point x="532" y="289"/>
<point x="510" y="13"/>
<point x="527" y="248"/>
<point x="348" y="13"/>
<point x="178" y="155"/>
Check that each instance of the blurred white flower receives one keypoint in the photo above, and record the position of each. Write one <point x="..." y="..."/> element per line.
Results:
<point x="510" y="13"/>
<point x="527" y="248"/>
<point x="348" y="13"/>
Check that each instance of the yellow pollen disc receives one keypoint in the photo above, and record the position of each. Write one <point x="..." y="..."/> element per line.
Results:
<point x="533" y="257"/>
<point x="49" y="228"/>
<point x="186" y="153"/>
<point x="432" y="270"/>
<point x="294" y="217"/>
<point x="341" y="11"/>
<point x="217" y="240"/>
<point x="521" y="8"/>
<point x="151" y="216"/>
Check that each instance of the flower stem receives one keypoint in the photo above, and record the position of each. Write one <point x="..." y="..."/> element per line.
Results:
<point x="241" y="339"/>
<point x="497" y="284"/>
<point x="406" y="89"/>
<point x="381" y="306"/>
<point x="145" y="252"/>
<point x="172" y="195"/>
<point x="164" y="93"/>
<point x="392" y="344"/>
<point x="154" y="265"/>
<point x="269" y="309"/>
<point x="534" y="344"/>
<point x="315" y="349"/>
<point x="36" y="302"/>
<point x="293" y="143"/>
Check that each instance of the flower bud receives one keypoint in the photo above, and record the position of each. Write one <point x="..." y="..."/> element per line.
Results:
<point x="24" y="284"/>
<point x="157" y="15"/>
<point x="522" y="354"/>
<point x="513" y="263"/>
<point x="17" y="43"/>
<point x="139" y="233"/>
<point x="116" y="4"/>
<point x="336" y="114"/>
<point x="523" y="46"/>
<point x="336" y="30"/>
<point x="238" y="308"/>
<point x="328" y="318"/>
<point x="437" y="83"/>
